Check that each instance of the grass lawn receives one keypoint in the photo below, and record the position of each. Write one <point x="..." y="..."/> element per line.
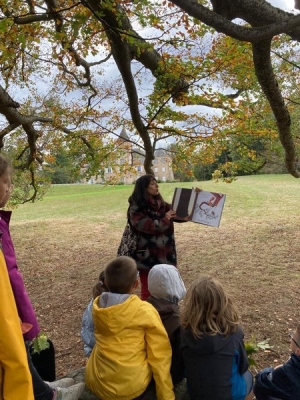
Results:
<point x="65" y="240"/>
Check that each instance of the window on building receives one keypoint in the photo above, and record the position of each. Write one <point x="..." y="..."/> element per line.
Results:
<point x="155" y="169"/>
<point x="109" y="170"/>
<point x="122" y="161"/>
<point x="163" y="169"/>
<point x="139" y="168"/>
<point x="155" y="161"/>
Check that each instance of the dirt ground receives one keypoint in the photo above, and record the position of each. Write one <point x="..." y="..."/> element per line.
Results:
<point x="258" y="263"/>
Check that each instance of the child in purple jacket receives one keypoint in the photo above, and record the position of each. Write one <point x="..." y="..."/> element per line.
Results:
<point x="63" y="389"/>
<point x="24" y="306"/>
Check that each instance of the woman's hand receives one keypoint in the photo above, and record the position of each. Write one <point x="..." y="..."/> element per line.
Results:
<point x="170" y="214"/>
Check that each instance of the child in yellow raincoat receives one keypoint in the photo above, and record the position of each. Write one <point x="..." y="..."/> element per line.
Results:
<point x="132" y="345"/>
<point x="15" y="378"/>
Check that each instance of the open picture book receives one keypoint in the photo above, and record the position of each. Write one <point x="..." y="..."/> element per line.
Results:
<point x="201" y="206"/>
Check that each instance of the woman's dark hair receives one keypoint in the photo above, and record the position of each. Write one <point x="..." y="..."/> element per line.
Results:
<point x="139" y="194"/>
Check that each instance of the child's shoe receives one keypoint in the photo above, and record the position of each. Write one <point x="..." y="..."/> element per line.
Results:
<point x="71" y="393"/>
<point x="61" y="383"/>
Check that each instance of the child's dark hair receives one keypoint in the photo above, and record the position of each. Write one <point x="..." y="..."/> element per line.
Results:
<point x="5" y="164"/>
<point x="120" y="275"/>
<point x="209" y="309"/>
<point x="139" y="194"/>
<point x="100" y="286"/>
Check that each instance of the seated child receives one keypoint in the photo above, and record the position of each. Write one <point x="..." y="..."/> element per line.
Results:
<point x="131" y="342"/>
<point x="167" y="289"/>
<point x="282" y="382"/>
<point x="216" y="364"/>
<point x="87" y="327"/>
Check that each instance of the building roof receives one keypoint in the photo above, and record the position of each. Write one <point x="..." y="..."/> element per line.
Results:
<point x="160" y="153"/>
<point x="140" y="153"/>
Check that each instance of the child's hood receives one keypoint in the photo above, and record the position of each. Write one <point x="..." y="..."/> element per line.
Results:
<point x="211" y="344"/>
<point x="164" y="282"/>
<point x="112" y="319"/>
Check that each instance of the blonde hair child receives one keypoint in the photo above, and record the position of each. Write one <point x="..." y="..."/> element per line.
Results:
<point x="212" y="344"/>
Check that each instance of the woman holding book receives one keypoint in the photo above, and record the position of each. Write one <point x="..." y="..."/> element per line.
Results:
<point x="152" y="218"/>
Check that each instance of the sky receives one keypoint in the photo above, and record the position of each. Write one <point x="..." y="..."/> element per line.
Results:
<point x="283" y="4"/>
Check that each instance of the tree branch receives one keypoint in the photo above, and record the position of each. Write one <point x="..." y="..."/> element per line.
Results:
<point x="268" y="83"/>
<point x="268" y="20"/>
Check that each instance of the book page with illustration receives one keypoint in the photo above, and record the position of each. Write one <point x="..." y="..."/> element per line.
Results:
<point x="199" y="206"/>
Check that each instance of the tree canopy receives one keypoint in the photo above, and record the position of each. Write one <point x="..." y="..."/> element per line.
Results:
<point x="195" y="72"/>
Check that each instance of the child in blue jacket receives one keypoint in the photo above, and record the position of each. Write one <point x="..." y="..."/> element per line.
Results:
<point x="214" y="355"/>
<point x="87" y="326"/>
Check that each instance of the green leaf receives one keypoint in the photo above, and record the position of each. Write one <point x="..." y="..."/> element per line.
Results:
<point x="264" y="345"/>
<point x="40" y="343"/>
<point x="252" y="348"/>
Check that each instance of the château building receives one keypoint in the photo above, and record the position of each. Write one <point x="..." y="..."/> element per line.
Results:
<point x="134" y="157"/>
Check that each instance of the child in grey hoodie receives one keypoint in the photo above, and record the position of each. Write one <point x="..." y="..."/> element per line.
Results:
<point x="167" y="289"/>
